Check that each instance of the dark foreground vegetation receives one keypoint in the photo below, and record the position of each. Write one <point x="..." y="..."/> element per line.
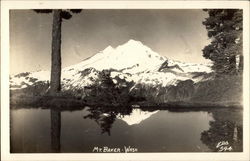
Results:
<point x="219" y="92"/>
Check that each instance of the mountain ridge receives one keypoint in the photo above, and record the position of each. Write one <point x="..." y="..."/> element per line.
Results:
<point x="129" y="54"/>
<point x="145" y="63"/>
<point x="111" y="77"/>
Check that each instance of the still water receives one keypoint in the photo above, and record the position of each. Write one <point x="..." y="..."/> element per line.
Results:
<point x="98" y="129"/>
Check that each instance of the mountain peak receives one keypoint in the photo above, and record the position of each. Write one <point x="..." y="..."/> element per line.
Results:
<point x="108" y="49"/>
<point x="131" y="41"/>
<point x="132" y="46"/>
<point x="132" y="56"/>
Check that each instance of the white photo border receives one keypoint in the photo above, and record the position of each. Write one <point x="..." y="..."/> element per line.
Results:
<point x="6" y="6"/>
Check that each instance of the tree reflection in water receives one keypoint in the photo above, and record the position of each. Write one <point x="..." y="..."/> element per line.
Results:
<point x="55" y="130"/>
<point x="226" y="127"/>
<point x="105" y="116"/>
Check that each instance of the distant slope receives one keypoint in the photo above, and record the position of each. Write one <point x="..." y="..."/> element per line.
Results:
<point x="134" y="72"/>
<point x="133" y="60"/>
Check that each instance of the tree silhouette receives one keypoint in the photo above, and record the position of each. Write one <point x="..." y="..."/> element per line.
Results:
<point x="226" y="126"/>
<point x="58" y="16"/>
<point x="225" y="28"/>
<point x="105" y="116"/>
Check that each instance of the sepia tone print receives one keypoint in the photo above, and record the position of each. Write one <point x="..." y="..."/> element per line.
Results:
<point x="126" y="80"/>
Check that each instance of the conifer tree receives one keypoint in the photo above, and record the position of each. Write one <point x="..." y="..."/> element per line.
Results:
<point x="224" y="28"/>
<point x="58" y="16"/>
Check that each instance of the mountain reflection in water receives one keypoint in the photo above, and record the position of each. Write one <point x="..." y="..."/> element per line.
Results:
<point x="150" y="129"/>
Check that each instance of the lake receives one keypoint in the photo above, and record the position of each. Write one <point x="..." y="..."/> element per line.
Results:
<point x="117" y="129"/>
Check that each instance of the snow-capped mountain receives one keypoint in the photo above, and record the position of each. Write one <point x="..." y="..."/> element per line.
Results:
<point x="131" y="57"/>
<point x="132" y="61"/>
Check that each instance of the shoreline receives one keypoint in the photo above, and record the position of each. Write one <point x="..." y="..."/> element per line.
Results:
<point x="70" y="102"/>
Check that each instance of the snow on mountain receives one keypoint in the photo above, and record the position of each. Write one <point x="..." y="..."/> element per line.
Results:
<point x="131" y="57"/>
<point x="151" y="78"/>
<point x="23" y="80"/>
<point x="191" y="67"/>
<point x="131" y="61"/>
<point x="79" y="79"/>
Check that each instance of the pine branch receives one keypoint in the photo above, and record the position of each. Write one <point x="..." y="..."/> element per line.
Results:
<point x="66" y="15"/>
<point x="43" y="10"/>
<point x="76" y="10"/>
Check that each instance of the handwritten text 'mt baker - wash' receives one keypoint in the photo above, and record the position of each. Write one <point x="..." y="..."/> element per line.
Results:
<point x="106" y="149"/>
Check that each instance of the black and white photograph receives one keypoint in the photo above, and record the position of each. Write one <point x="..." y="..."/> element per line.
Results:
<point x="126" y="80"/>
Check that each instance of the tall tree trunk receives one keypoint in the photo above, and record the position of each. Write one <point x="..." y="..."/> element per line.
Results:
<point x="241" y="64"/>
<point x="233" y="65"/>
<point x="237" y="62"/>
<point x="55" y="78"/>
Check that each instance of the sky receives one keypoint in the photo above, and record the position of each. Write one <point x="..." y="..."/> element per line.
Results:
<point x="177" y="34"/>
